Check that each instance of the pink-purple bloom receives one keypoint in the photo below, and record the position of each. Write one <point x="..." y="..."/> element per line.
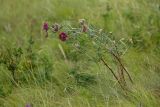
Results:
<point x="45" y="26"/>
<point x="63" y="36"/>
<point x="28" y="105"/>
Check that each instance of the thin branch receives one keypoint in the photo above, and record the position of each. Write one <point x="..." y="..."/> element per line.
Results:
<point x="122" y="66"/>
<point x="112" y="72"/>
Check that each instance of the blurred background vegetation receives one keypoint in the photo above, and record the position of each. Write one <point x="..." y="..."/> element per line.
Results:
<point x="46" y="80"/>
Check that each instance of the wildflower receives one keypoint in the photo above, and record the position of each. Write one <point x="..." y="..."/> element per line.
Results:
<point x="63" y="36"/>
<point x="82" y="21"/>
<point x="55" y="27"/>
<point x="45" y="26"/>
<point x="83" y="25"/>
<point x="28" y="105"/>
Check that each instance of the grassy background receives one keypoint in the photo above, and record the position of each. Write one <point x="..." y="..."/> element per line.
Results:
<point x="135" y="20"/>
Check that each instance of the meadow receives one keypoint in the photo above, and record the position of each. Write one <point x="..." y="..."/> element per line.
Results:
<point x="79" y="53"/>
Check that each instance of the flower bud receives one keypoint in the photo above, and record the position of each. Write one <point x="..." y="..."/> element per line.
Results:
<point x="45" y="26"/>
<point x="82" y="21"/>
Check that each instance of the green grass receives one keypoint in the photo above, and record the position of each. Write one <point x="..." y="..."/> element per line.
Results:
<point x="49" y="80"/>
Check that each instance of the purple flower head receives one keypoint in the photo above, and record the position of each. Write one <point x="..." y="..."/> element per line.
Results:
<point x="45" y="26"/>
<point x="28" y="105"/>
<point x="63" y="36"/>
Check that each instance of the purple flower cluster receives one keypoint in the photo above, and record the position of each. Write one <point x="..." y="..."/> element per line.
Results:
<point x="62" y="35"/>
<point x="45" y="26"/>
<point x="28" y="105"/>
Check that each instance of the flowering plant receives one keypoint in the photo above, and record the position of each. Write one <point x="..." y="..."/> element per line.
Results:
<point x="93" y="44"/>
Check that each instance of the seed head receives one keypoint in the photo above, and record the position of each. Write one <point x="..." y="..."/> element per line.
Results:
<point x="55" y="27"/>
